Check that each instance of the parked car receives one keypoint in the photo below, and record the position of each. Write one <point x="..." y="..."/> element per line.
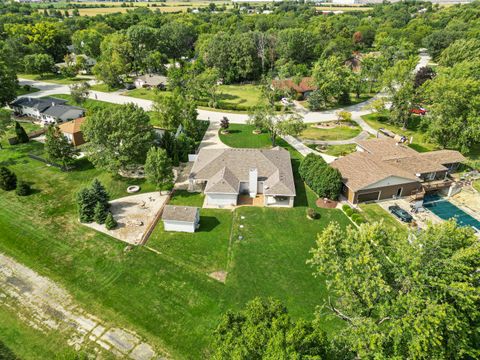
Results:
<point x="400" y="213"/>
<point x="419" y="111"/>
<point x="286" y="102"/>
<point x="130" y="86"/>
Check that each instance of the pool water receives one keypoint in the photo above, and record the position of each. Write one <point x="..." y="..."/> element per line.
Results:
<point x="445" y="210"/>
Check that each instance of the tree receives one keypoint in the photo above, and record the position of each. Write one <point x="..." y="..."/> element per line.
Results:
<point x="23" y="189"/>
<point x="158" y="169"/>
<point x="402" y="296"/>
<point x="263" y="118"/>
<point x="115" y="61"/>
<point x="58" y="148"/>
<point x="92" y="203"/>
<point x="453" y="102"/>
<point x="80" y="92"/>
<point x="324" y="180"/>
<point x="118" y="137"/>
<point x="8" y="79"/>
<point x="265" y="330"/>
<point x="460" y="50"/>
<point x="174" y="109"/>
<point x="5" y="121"/>
<point x="205" y="86"/>
<point x="333" y="80"/>
<point x="21" y="133"/>
<point x="110" y="222"/>
<point x="87" y="42"/>
<point x="100" y="213"/>
<point x="8" y="179"/>
<point x="422" y="75"/>
<point x="224" y="124"/>
<point x="40" y="64"/>
<point x="343" y="115"/>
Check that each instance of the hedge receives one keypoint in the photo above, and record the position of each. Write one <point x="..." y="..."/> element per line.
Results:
<point x="324" y="180"/>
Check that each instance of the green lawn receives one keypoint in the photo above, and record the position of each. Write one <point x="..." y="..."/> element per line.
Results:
<point x="103" y="87"/>
<point x="374" y="212"/>
<point x="166" y="297"/>
<point x="420" y="139"/>
<point x="241" y="136"/>
<point x="353" y="101"/>
<point x="338" y="150"/>
<point x="146" y="94"/>
<point x="28" y="126"/>
<point x="21" y="90"/>
<point x="341" y="132"/>
<point x="53" y="78"/>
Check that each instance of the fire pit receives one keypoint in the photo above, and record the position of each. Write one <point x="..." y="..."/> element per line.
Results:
<point x="133" y="189"/>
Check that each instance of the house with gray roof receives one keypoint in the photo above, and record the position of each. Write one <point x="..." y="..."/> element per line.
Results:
<point x="151" y="81"/>
<point x="58" y="114"/>
<point x="181" y="218"/>
<point x="34" y="107"/>
<point x="225" y="174"/>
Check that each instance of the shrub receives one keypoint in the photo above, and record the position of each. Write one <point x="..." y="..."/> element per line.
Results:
<point x="349" y="211"/>
<point x="8" y="179"/>
<point x="345" y="207"/>
<point x="357" y="218"/>
<point x="23" y="189"/>
<point x="324" y="180"/>
<point x="21" y="133"/>
<point x="110" y="222"/>
<point x="312" y="214"/>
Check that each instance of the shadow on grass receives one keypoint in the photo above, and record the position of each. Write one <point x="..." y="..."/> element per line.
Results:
<point x="208" y="223"/>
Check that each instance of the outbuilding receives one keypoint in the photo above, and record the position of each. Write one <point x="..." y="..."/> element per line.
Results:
<point x="181" y="218"/>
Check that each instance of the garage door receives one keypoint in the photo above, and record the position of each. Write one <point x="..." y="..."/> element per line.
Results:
<point x="368" y="196"/>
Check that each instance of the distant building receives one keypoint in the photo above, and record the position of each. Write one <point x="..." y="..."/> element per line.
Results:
<point x="73" y="132"/>
<point x="304" y="87"/>
<point x="34" y="107"/>
<point x="151" y="81"/>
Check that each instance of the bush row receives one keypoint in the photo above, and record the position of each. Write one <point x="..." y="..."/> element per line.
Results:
<point x="353" y="214"/>
<point x="322" y="178"/>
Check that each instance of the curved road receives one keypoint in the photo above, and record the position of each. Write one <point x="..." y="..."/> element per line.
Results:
<point x="358" y="110"/>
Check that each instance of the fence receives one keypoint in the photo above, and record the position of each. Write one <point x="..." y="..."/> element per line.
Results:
<point x="154" y="223"/>
<point x="39" y="158"/>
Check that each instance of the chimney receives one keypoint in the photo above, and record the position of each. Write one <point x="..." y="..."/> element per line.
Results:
<point x="252" y="182"/>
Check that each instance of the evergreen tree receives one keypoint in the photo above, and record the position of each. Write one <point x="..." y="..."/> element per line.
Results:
<point x="110" y="222"/>
<point x="23" y="189"/>
<point x="100" y="193"/>
<point x="8" y="180"/>
<point x="99" y="213"/>
<point x="58" y="147"/>
<point x="86" y="205"/>
<point x="21" y="133"/>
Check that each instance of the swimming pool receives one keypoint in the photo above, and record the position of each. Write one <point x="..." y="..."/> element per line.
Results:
<point x="445" y="210"/>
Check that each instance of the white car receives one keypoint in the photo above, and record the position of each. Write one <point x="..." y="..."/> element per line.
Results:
<point x="286" y="102"/>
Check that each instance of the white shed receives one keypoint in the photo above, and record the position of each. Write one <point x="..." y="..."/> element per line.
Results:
<point x="181" y="218"/>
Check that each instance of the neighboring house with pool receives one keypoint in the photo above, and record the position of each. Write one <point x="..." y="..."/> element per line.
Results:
<point x="384" y="169"/>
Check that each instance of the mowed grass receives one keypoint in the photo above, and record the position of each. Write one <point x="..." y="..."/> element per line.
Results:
<point x="375" y="213"/>
<point x="340" y="150"/>
<point x="420" y="142"/>
<point x="242" y="136"/>
<point x="340" y="132"/>
<point x="166" y="295"/>
<point x="53" y="78"/>
<point x="24" y="91"/>
<point x="245" y="95"/>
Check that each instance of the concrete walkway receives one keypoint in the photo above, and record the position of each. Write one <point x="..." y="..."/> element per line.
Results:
<point x="305" y="150"/>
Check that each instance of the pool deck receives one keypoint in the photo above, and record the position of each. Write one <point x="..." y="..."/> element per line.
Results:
<point x="468" y="200"/>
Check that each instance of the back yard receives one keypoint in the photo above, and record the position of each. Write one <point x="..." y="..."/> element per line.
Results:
<point x="164" y="294"/>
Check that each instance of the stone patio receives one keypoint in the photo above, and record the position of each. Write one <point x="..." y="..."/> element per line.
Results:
<point x="134" y="214"/>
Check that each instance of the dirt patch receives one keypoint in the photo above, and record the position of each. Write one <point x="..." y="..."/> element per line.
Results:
<point x="219" y="276"/>
<point x="134" y="214"/>
<point x="47" y="307"/>
<point x="333" y="124"/>
<point x="326" y="203"/>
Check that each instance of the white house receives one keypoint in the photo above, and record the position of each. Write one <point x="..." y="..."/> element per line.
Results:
<point x="181" y="218"/>
<point x="34" y="107"/>
<point x="226" y="174"/>
<point x="58" y="114"/>
<point x="151" y="81"/>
